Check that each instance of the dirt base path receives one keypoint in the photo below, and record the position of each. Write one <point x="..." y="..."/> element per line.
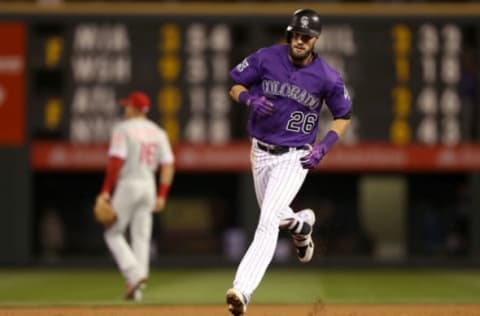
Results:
<point x="253" y="310"/>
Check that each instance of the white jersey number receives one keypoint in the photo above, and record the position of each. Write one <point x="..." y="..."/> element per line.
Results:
<point x="301" y="122"/>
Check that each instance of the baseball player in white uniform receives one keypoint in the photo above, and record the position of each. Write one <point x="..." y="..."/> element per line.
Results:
<point x="137" y="148"/>
<point x="284" y="86"/>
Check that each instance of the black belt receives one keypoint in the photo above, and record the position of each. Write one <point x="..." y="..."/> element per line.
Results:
<point x="277" y="150"/>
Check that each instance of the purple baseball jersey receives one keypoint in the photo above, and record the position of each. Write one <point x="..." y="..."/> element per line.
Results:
<point x="296" y="92"/>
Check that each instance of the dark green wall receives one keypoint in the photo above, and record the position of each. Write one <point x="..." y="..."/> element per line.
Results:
<point x="15" y="206"/>
<point x="475" y="216"/>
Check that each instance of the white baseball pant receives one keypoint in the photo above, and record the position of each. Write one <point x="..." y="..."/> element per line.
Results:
<point x="277" y="180"/>
<point x="133" y="201"/>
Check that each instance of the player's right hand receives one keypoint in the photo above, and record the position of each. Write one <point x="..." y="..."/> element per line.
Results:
<point x="313" y="158"/>
<point x="261" y="105"/>
<point x="159" y="205"/>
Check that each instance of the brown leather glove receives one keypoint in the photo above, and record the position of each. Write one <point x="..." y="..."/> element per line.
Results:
<point x="103" y="210"/>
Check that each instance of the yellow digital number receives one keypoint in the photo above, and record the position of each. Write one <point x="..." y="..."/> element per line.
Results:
<point x="53" y="113"/>
<point x="402" y="69"/>
<point x="400" y="133"/>
<point x="172" y="127"/>
<point x="169" y="67"/>
<point x="169" y="38"/>
<point x="402" y="100"/>
<point x="402" y="39"/>
<point x="169" y="100"/>
<point x="53" y="51"/>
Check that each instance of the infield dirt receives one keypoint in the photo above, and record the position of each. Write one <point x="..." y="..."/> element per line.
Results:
<point x="253" y="310"/>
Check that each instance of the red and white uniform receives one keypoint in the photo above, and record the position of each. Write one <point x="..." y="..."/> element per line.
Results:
<point x="142" y="146"/>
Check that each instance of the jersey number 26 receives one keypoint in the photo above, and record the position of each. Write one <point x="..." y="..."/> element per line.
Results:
<point x="301" y="122"/>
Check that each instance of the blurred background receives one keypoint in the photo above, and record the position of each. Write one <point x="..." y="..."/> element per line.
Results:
<point x="402" y="188"/>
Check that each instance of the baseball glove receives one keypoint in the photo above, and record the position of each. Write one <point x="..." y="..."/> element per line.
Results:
<point x="103" y="210"/>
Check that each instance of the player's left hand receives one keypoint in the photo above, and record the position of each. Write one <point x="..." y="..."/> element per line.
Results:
<point x="313" y="158"/>
<point x="103" y="210"/>
<point x="261" y="105"/>
<point x="159" y="205"/>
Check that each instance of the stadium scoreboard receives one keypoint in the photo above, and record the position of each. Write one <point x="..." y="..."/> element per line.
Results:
<point x="412" y="76"/>
<point x="411" y="80"/>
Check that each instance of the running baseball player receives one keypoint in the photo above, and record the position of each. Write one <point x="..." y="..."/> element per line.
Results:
<point x="137" y="148"/>
<point x="284" y="87"/>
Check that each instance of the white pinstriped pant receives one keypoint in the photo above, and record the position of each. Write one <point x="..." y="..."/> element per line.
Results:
<point x="277" y="180"/>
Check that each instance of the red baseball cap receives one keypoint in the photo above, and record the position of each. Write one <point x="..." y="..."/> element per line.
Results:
<point x="138" y="100"/>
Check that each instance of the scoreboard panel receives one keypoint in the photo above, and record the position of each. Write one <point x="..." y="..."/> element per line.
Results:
<point x="409" y="80"/>
<point x="412" y="76"/>
<point x="183" y="67"/>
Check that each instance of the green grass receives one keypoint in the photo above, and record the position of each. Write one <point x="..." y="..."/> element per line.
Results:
<point x="280" y="286"/>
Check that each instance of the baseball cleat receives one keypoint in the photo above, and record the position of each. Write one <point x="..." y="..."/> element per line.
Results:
<point x="304" y="243"/>
<point x="236" y="302"/>
<point x="135" y="292"/>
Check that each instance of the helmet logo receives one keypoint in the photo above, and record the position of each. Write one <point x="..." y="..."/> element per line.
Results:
<point x="304" y="21"/>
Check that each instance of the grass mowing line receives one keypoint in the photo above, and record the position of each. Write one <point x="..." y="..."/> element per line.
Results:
<point x="280" y="286"/>
<point x="100" y="303"/>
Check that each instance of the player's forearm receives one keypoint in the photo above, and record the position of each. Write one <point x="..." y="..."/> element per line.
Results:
<point x="235" y="91"/>
<point x="166" y="174"/>
<point x="337" y="129"/>
<point x="166" y="178"/>
<point x="339" y="126"/>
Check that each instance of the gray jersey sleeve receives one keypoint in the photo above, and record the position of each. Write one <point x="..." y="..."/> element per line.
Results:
<point x="165" y="153"/>
<point x="118" y="143"/>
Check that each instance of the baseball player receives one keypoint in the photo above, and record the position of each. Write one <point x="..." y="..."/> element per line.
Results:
<point x="137" y="147"/>
<point x="284" y="87"/>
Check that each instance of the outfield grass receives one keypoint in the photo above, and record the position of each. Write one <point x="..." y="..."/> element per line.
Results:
<point x="207" y="286"/>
